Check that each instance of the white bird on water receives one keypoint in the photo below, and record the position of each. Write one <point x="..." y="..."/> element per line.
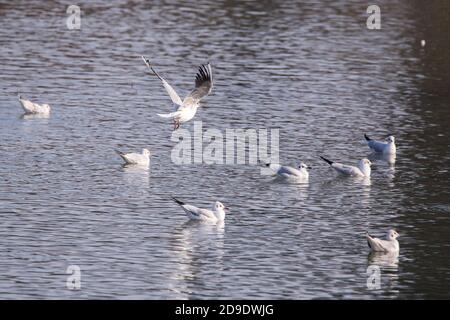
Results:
<point x="290" y="172"/>
<point x="34" y="108"/>
<point x="217" y="214"/>
<point x="362" y="170"/>
<point x="387" y="147"/>
<point x="390" y="244"/>
<point x="142" y="159"/>
<point x="186" y="109"/>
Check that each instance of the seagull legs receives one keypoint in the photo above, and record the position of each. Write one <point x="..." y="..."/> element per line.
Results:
<point x="176" y="124"/>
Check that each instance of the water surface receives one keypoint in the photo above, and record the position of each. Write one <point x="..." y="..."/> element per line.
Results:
<point x="311" y="69"/>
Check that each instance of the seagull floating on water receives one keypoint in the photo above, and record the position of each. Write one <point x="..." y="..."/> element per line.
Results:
<point x="34" y="108"/>
<point x="217" y="214"/>
<point x="362" y="170"/>
<point x="185" y="110"/>
<point x="390" y="244"/>
<point x="381" y="146"/>
<point x="290" y="172"/>
<point x="136" y="158"/>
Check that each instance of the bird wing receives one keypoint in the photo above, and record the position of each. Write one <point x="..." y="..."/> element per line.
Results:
<point x="27" y="105"/>
<point x="198" y="212"/>
<point x="377" y="244"/>
<point x="172" y="93"/>
<point x="377" y="146"/>
<point x="346" y="170"/>
<point x="131" y="157"/>
<point x="203" y="85"/>
<point x="289" y="171"/>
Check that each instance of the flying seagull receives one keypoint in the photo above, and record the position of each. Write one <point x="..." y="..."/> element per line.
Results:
<point x="215" y="215"/>
<point x="186" y="109"/>
<point x="362" y="170"/>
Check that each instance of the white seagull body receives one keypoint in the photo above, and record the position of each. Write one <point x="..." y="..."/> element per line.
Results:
<point x="186" y="109"/>
<point x="387" y="147"/>
<point x="217" y="214"/>
<point x="34" y="108"/>
<point x="290" y="172"/>
<point x="362" y="170"/>
<point x="142" y="159"/>
<point x="390" y="244"/>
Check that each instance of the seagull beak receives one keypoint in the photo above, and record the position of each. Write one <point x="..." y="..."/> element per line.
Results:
<point x="226" y="208"/>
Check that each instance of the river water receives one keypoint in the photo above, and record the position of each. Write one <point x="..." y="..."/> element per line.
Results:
<point x="310" y="69"/>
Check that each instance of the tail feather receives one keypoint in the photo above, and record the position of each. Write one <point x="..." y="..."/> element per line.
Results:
<point x="181" y="203"/>
<point x="168" y="115"/>
<point x="367" y="137"/>
<point x="326" y="160"/>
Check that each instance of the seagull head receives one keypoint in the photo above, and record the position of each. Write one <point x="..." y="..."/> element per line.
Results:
<point x="392" y="235"/>
<point x="366" y="162"/>
<point x="146" y="152"/>
<point x="390" y="139"/>
<point x="46" y="106"/>
<point x="218" y="206"/>
<point x="303" y="166"/>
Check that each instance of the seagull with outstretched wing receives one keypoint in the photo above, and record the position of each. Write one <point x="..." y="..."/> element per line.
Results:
<point x="186" y="109"/>
<point x="390" y="244"/>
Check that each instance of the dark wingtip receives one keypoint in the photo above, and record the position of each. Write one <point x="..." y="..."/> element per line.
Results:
<point x="368" y="235"/>
<point x="146" y="60"/>
<point x="367" y="137"/>
<point x="178" y="201"/>
<point x="326" y="160"/>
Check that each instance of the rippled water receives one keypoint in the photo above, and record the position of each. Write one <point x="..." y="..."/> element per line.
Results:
<point x="311" y="69"/>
